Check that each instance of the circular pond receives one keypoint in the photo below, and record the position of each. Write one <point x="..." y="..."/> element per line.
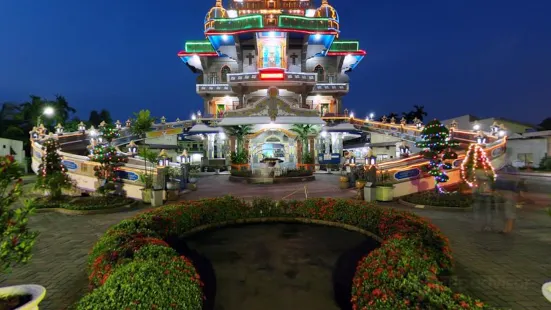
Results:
<point x="279" y="266"/>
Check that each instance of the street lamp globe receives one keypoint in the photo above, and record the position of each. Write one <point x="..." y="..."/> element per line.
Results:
<point x="49" y="111"/>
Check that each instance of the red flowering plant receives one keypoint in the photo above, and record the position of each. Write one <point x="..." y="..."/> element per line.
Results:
<point x="401" y="274"/>
<point x="16" y="241"/>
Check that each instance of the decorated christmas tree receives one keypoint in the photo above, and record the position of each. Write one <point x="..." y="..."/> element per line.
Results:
<point x="109" y="160"/>
<point x="437" y="146"/>
<point x="52" y="174"/>
<point x="476" y="167"/>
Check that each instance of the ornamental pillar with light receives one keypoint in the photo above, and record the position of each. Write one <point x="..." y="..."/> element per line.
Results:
<point x="132" y="148"/>
<point x="393" y="120"/>
<point x="404" y="150"/>
<point x="384" y="119"/>
<point x="403" y="122"/>
<point x="59" y="129"/>
<point x="102" y="124"/>
<point x="163" y="120"/>
<point x="199" y="115"/>
<point x="34" y="133"/>
<point x="345" y="112"/>
<point x="184" y="157"/>
<point x="81" y="127"/>
<point x="481" y="139"/>
<point x="164" y="161"/>
<point x="93" y="133"/>
<point x="418" y="123"/>
<point x="494" y="129"/>
<point x="118" y="125"/>
<point x="128" y="123"/>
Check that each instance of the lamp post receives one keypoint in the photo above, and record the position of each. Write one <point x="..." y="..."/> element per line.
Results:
<point x="476" y="127"/>
<point x="184" y="157"/>
<point x="132" y="148"/>
<point x="59" y="129"/>
<point x="81" y="127"/>
<point x="93" y="133"/>
<point x="48" y="111"/>
<point x="481" y="139"/>
<point x="118" y="125"/>
<point x="128" y="123"/>
<point x="193" y="117"/>
<point x="164" y="161"/>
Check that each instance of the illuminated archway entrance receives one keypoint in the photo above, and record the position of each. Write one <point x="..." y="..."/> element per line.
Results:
<point x="273" y="144"/>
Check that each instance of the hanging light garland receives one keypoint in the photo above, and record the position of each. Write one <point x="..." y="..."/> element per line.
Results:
<point x="476" y="159"/>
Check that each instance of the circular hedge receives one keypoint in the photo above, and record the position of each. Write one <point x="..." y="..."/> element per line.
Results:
<point x="133" y="266"/>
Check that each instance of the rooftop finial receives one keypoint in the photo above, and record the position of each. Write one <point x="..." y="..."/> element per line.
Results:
<point x="324" y="2"/>
<point x="219" y="3"/>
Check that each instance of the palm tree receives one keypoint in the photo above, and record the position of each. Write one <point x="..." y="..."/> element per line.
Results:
<point x="62" y="109"/>
<point x="419" y="112"/>
<point x="239" y="132"/>
<point x="303" y="131"/>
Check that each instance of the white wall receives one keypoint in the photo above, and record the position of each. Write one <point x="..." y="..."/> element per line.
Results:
<point x="298" y="60"/>
<point x="8" y="146"/>
<point x="246" y="66"/>
<point x="537" y="147"/>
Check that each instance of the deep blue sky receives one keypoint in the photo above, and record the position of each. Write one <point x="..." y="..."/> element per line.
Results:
<point x="483" y="57"/>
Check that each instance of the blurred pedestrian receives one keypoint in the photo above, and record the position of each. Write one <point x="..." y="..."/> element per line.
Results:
<point x="483" y="201"/>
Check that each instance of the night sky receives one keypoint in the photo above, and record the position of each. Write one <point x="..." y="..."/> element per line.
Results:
<point x="482" y="57"/>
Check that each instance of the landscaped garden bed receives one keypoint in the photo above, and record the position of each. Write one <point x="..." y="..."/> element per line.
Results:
<point x="287" y="176"/>
<point x="84" y="204"/>
<point x="134" y="265"/>
<point x="446" y="200"/>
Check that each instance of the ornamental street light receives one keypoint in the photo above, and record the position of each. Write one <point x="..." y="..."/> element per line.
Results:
<point x="132" y="148"/>
<point x="476" y="127"/>
<point x="48" y="111"/>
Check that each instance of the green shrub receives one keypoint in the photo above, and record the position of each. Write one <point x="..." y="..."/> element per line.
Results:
<point x="431" y="198"/>
<point x="545" y="164"/>
<point x="163" y="283"/>
<point x="241" y="173"/>
<point x="401" y="274"/>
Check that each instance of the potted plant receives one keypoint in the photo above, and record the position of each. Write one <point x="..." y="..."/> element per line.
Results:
<point x="173" y="175"/>
<point x="193" y="175"/>
<point x="385" y="189"/>
<point x="343" y="180"/>
<point x="147" y="180"/>
<point x="16" y="241"/>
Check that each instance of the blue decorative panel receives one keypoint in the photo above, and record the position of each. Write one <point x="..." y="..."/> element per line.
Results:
<point x="498" y="151"/>
<point x="407" y="174"/>
<point x="72" y="166"/>
<point x="128" y="175"/>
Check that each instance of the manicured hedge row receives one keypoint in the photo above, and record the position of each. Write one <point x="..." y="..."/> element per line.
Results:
<point x="132" y="265"/>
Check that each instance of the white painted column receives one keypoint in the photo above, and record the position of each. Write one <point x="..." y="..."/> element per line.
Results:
<point x="335" y="142"/>
<point x="327" y="144"/>
<point x="220" y="146"/>
<point x="210" y="146"/>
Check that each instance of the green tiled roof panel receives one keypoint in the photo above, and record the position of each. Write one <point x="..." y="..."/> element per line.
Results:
<point x="307" y="23"/>
<point x="345" y="46"/>
<point x="199" y="46"/>
<point x="236" y="24"/>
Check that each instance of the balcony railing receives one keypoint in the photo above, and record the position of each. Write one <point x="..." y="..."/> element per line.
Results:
<point x="213" y="88"/>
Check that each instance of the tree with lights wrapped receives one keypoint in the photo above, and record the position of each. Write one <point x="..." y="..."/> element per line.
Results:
<point x="52" y="174"/>
<point x="476" y="163"/>
<point x="109" y="160"/>
<point x="437" y="146"/>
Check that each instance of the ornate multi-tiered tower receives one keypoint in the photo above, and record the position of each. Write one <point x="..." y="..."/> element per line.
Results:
<point x="252" y="45"/>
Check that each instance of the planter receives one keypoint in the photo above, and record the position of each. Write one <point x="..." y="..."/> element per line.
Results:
<point x="546" y="290"/>
<point x="37" y="293"/>
<point x="384" y="193"/>
<point x="172" y="185"/>
<point x="360" y="184"/>
<point x="146" y="195"/>
<point x="343" y="182"/>
<point x="172" y="194"/>
<point x="157" y="197"/>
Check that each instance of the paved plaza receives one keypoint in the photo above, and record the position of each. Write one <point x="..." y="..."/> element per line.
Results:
<point x="505" y="271"/>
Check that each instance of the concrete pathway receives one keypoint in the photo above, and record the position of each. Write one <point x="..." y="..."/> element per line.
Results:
<point x="506" y="271"/>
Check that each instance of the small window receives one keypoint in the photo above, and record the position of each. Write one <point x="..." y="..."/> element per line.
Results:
<point x="320" y="73"/>
<point x="224" y="74"/>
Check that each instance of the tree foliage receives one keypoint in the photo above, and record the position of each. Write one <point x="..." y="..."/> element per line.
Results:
<point x="52" y="174"/>
<point x="142" y="122"/>
<point x="437" y="146"/>
<point x="239" y="132"/>
<point x="16" y="241"/>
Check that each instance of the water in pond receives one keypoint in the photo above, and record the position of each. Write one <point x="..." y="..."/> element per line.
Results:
<point x="278" y="266"/>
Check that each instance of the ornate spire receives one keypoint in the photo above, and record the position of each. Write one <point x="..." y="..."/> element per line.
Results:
<point x="219" y="3"/>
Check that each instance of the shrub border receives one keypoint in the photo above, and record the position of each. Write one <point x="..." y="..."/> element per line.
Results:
<point x="125" y="207"/>
<point x="402" y="273"/>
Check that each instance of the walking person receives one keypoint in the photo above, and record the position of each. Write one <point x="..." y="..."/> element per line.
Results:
<point x="483" y="201"/>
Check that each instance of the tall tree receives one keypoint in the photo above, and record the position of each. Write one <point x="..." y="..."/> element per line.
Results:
<point x="95" y="118"/>
<point x="419" y="112"/>
<point x="105" y="116"/>
<point x="62" y="109"/>
<point x="545" y="124"/>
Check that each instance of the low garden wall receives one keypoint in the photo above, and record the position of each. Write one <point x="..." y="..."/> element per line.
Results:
<point x="134" y="263"/>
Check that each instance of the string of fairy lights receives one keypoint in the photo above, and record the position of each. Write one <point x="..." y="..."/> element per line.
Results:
<point x="476" y="159"/>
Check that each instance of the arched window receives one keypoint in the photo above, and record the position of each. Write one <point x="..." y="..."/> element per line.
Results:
<point x="224" y="74"/>
<point x="320" y="72"/>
